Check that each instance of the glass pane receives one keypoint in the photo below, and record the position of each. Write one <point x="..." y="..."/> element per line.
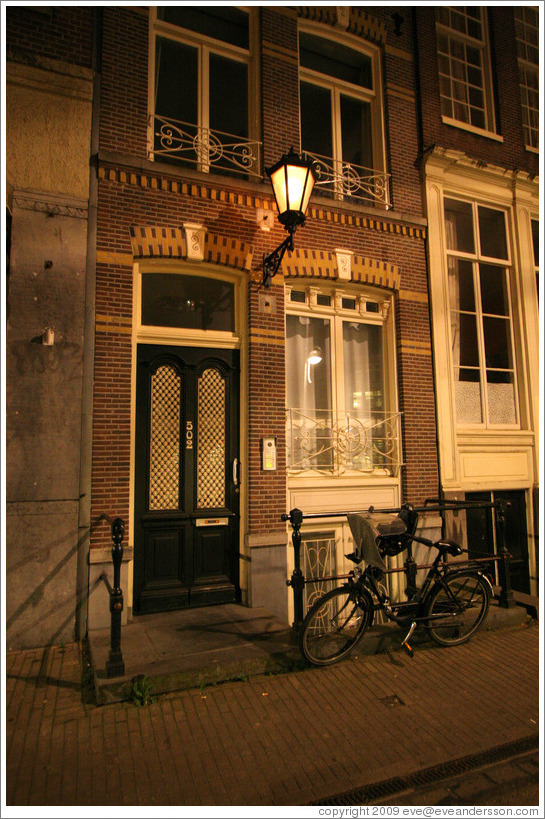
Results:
<point x="460" y="284"/>
<point x="363" y="369"/>
<point x="501" y="398"/>
<point x="494" y="292"/>
<point x="164" y="452"/>
<point x="316" y="128"/>
<point x="176" y="81"/>
<point x="224" y="23"/>
<point x="467" y="390"/>
<point x="492" y="233"/>
<point x="459" y="226"/>
<point x="497" y="343"/>
<point x="211" y="440"/>
<point x="228" y="97"/>
<point x="308" y="379"/>
<point x="463" y="329"/>
<point x="335" y="60"/>
<point x="357" y="144"/>
<point x="308" y="363"/>
<point x="194" y="302"/>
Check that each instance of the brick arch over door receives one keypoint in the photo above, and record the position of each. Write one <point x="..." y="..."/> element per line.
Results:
<point x="171" y="242"/>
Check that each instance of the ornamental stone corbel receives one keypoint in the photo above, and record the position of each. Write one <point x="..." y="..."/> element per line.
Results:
<point x="344" y="263"/>
<point x="195" y="236"/>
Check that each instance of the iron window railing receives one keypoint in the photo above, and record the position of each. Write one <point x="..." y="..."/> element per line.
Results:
<point x="344" y="180"/>
<point x="206" y="149"/>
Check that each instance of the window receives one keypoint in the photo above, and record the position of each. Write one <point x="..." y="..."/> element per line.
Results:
<point x="527" y="33"/>
<point x="191" y="302"/>
<point x="464" y="67"/>
<point x="480" y="314"/>
<point x="341" y="125"/>
<point x="339" y="416"/>
<point x="202" y="89"/>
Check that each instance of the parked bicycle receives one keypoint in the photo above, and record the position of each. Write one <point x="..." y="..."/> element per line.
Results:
<point x="452" y="602"/>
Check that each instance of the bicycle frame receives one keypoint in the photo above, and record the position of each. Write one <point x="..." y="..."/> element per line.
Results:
<point x="414" y="609"/>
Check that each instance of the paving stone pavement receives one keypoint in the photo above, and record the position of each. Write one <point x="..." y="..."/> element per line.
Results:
<point x="287" y="739"/>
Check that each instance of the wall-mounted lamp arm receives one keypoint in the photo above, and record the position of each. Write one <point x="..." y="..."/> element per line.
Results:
<point x="272" y="262"/>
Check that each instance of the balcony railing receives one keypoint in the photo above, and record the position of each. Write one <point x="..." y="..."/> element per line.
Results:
<point x="343" y="180"/>
<point x="339" y="442"/>
<point x="205" y="149"/>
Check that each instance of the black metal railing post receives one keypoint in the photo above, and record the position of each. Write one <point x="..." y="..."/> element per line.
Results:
<point x="297" y="581"/>
<point x="506" y="599"/>
<point x="115" y="667"/>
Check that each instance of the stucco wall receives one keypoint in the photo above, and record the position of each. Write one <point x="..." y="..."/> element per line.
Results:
<point x="48" y="128"/>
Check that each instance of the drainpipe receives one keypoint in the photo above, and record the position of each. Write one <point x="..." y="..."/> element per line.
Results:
<point x="84" y="521"/>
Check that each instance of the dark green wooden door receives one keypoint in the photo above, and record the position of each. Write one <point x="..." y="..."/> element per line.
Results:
<point x="186" y="479"/>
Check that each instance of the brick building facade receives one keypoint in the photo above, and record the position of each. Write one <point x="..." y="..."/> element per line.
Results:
<point x="177" y="329"/>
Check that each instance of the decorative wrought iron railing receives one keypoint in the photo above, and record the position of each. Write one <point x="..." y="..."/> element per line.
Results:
<point x="206" y="149"/>
<point x="343" y="180"/>
<point x="346" y="441"/>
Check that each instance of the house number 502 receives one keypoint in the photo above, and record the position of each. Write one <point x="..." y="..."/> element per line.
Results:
<point x="189" y="434"/>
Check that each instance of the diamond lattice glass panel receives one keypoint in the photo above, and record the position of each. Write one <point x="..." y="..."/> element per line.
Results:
<point x="211" y="440"/>
<point x="164" y="472"/>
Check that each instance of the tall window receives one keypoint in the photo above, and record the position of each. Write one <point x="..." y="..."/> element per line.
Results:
<point x="527" y="33"/>
<point x="478" y="266"/>
<point x="341" y="122"/>
<point x="464" y="66"/>
<point x="339" y="417"/>
<point x="202" y="89"/>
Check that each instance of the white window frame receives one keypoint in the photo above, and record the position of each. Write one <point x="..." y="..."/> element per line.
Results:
<point x="527" y="67"/>
<point x="205" y="45"/>
<point x="476" y="258"/>
<point x="337" y="87"/>
<point x="482" y="45"/>
<point x="337" y="314"/>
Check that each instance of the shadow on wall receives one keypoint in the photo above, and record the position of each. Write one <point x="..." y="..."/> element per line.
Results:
<point x="43" y="600"/>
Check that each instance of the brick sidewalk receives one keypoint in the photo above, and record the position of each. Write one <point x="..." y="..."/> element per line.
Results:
<point x="288" y="739"/>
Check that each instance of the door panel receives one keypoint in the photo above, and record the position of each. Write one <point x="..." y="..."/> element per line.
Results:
<point x="482" y="535"/>
<point x="186" y="502"/>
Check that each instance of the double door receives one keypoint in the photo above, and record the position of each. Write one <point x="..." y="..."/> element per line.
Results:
<point x="186" y="478"/>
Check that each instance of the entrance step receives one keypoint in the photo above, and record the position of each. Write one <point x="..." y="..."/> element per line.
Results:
<point x="195" y="648"/>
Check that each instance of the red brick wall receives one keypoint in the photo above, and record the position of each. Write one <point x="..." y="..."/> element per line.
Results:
<point x="55" y="32"/>
<point x="124" y="87"/>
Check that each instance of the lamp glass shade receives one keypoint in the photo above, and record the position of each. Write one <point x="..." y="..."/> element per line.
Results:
<point x="292" y="181"/>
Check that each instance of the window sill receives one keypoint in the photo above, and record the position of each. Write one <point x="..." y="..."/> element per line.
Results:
<point x="464" y="126"/>
<point x="532" y="150"/>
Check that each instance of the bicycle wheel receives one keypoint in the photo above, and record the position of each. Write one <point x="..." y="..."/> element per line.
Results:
<point x="458" y="607"/>
<point x="333" y="627"/>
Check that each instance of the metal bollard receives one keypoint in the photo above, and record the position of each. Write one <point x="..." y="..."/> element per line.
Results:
<point x="115" y="667"/>
<point x="297" y="581"/>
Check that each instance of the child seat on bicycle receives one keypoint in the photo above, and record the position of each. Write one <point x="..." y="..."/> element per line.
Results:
<point x="377" y="535"/>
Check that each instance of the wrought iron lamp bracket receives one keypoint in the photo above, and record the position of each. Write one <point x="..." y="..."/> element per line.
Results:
<point x="272" y="262"/>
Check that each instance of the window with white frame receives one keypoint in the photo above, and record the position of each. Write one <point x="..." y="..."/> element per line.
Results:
<point x="202" y="88"/>
<point x="481" y="325"/>
<point x="340" y="404"/>
<point x="465" y="83"/>
<point x="341" y="117"/>
<point x="527" y="34"/>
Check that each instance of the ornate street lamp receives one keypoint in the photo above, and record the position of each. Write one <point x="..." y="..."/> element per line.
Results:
<point x="292" y="180"/>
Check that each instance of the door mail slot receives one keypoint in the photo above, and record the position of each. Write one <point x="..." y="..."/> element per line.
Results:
<point x="212" y="522"/>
